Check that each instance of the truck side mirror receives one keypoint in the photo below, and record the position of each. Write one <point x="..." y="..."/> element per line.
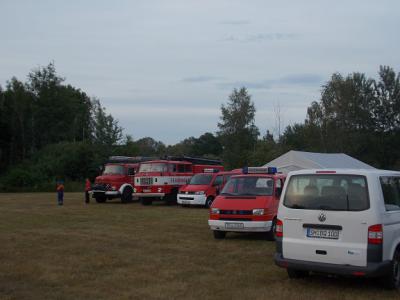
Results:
<point x="217" y="190"/>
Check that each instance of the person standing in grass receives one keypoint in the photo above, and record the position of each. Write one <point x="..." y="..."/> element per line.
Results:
<point x="88" y="187"/>
<point x="60" y="192"/>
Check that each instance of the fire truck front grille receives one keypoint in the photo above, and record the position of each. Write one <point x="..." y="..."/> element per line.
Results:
<point x="236" y="212"/>
<point x="146" y="181"/>
<point x="101" y="187"/>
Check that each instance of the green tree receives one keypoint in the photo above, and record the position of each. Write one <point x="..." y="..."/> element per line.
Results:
<point x="106" y="130"/>
<point x="237" y="132"/>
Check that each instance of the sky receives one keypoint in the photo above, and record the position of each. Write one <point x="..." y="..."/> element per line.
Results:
<point x="164" y="68"/>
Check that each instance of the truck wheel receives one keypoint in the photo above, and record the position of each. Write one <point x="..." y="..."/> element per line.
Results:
<point x="219" y="235"/>
<point x="271" y="233"/>
<point x="126" y="195"/>
<point x="172" y="198"/>
<point x="100" y="199"/>
<point x="295" y="274"/>
<point x="392" y="280"/>
<point x="146" y="201"/>
<point x="209" y="201"/>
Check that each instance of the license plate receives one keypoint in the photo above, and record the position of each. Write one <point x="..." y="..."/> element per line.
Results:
<point x="234" y="225"/>
<point x="146" y="191"/>
<point x="323" y="233"/>
<point x="185" y="201"/>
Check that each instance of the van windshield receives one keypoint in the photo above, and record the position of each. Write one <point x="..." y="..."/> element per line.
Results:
<point x="201" y="179"/>
<point x="248" y="186"/>
<point x="327" y="192"/>
<point x="114" y="169"/>
<point x="153" y="167"/>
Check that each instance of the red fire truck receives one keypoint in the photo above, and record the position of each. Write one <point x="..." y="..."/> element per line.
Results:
<point x="117" y="179"/>
<point x="248" y="203"/>
<point x="161" y="179"/>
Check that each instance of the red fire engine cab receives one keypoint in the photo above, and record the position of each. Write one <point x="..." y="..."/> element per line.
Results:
<point x="204" y="187"/>
<point x="248" y="203"/>
<point x="161" y="179"/>
<point x="117" y="179"/>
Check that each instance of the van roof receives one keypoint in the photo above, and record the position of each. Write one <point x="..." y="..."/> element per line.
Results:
<point x="345" y="171"/>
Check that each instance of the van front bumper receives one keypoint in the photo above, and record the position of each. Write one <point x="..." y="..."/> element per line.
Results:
<point x="191" y="199"/>
<point x="248" y="226"/>
<point x="371" y="270"/>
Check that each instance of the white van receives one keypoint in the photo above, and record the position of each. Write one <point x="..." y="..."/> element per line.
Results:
<point x="344" y="222"/>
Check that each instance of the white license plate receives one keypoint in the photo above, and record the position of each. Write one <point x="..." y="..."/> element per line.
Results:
<point x="185" y="201"/>
<point x="234" y="225"/>
<point x="146" y="191"/>
<point x="323" y="233"/>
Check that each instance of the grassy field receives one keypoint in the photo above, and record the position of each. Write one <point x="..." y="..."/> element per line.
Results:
<point x="116" y="251"/>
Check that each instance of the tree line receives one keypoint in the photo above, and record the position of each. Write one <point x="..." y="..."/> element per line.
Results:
<point x="50" y="129"/>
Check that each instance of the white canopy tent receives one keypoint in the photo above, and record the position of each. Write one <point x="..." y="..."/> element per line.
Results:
<point x="297" y="160"/>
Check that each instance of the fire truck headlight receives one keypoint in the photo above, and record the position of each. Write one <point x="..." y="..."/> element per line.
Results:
<point x="258" y="211"/>
<point x="215" y="211"/>
<point x="199" y="193"/>
<point x="134" y="190"/>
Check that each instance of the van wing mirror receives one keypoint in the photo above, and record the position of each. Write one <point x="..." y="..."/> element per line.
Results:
<point x="278" y="192"/>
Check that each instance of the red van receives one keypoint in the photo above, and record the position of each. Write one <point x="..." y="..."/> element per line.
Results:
<point x="204" y="187"/>
<point x="248" y="203"/>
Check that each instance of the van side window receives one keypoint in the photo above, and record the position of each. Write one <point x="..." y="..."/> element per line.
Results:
<point x="391" y="192"/>
<point x="218" y="181"/>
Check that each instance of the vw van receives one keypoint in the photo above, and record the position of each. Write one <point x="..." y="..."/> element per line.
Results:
<point x="344" y="222"/>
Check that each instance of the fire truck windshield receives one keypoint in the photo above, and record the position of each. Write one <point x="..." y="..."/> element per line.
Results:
<point x="249" y="186"/>
<point x="114" y="169"/>
<point x="153" y="167"/>
<point x="201" y="179"/>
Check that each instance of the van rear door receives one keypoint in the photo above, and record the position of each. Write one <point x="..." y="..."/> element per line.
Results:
<point x="325" y="219"/>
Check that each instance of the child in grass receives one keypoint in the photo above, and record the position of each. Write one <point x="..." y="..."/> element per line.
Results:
<point x="60" y="192"/>
<point x="88" y="187"/>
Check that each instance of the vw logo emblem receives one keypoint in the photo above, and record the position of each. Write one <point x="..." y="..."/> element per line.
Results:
<point x="322" y="217"/>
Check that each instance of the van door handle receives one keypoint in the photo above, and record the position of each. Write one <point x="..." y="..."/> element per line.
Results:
<point x="292" y="219"/>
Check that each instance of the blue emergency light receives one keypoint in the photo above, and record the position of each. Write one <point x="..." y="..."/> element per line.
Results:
<point x="259" y="170"/>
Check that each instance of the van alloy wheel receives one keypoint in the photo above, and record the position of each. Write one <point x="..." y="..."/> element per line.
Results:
<point x="396" y="270"/>
<point x="209" y="201"/>
<point x="392" y="280"/>
<point x="271" y="233"/>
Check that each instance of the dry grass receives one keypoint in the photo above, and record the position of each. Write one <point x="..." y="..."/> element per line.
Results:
<point x="116" y="251"/>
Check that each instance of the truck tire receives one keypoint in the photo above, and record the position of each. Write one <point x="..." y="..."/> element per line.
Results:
<point x="271" y="234"/>
<point x="146" y="201"/>
<point x="392" y="280"/>
<point x="100" y="199"/>
<point x="126" y="196"/>
<point x="219" y="235"/>
<point x="209" y="201"/>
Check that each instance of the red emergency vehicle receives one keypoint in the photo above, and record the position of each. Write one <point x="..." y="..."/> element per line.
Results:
<point x="117" y="179"/>
<point x="204" y="187"/>
<point x="248" y="203"/>
<point x="161" y="179"/>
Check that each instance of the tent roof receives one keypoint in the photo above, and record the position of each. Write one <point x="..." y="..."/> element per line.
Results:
<point x="297" y="160"/>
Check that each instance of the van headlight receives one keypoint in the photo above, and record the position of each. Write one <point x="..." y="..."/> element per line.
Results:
<point x="215" y="211"/>
<point x="258" y="211"/>
<point x="199" y="193"/>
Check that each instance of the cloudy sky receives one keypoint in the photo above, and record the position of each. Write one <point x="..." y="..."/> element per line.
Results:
<point x="163" y="68"/>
